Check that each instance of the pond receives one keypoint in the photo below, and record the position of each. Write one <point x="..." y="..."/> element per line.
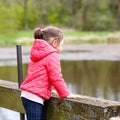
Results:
<point x="92" y="78"/>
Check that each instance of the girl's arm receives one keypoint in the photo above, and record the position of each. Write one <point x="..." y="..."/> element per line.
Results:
<point x="55" y="75"/>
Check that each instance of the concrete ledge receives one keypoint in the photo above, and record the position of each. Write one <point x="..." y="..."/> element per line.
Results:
<point x="86" y="108"/>
<point x="10" y="96"/>
<point x="83" y="108"/>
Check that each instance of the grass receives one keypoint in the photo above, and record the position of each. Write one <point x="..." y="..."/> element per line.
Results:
<point x="92" y="37"/>
<point x="71" y="36"/>
<point x="85" y="33"/>
<point x="10" y="39"/>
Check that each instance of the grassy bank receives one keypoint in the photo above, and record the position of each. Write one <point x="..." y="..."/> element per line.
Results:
<point x="71" y="37"/>
<point x="77" y="37"/>
<point x="11" y="39"/>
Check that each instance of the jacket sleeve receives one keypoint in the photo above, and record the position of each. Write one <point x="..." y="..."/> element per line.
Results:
<point x="55" y="75"/>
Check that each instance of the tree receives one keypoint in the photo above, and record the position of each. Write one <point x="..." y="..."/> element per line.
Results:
<point x="117" y="15"/>
<point x="26" y="14"/>
<point x="8" y="18"/>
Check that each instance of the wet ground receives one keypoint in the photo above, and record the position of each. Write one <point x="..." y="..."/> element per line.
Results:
<point x="70" y="52"/>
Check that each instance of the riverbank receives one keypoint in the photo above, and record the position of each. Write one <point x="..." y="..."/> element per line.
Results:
<point x="71" y="37"/>
<point x="70" y="52"/>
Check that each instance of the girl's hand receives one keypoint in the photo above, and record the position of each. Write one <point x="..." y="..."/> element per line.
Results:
<point x="72" y="96"/>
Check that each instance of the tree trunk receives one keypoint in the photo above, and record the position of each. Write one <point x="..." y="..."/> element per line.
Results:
<point x="118" y="17"/>
<point x="85" y="17"/>
<point x="26" y="14"/>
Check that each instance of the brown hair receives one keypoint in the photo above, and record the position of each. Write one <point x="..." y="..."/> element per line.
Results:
<point x="47" y="33"/>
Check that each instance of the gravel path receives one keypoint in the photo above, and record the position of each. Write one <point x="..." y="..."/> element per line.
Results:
<point x="70" y="52"/>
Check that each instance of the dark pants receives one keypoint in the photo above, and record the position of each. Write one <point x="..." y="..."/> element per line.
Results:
<point x="34" y="111"/>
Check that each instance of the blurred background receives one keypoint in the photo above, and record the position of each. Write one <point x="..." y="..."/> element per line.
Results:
<point x="90" y="60"/>
<point x="19" y="17"/>
<point x="77" y="14"/>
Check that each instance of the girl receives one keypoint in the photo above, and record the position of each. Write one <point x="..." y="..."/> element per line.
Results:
<point x="43" y="72"/>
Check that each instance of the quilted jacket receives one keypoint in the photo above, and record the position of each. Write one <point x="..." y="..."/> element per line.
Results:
<point x="44" y="72"/>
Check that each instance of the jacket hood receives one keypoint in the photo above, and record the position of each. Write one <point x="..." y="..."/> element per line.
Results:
<point x="40" y="49"/>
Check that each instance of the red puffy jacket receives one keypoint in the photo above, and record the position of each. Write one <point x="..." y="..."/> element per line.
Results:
<point x="44" y="71"/>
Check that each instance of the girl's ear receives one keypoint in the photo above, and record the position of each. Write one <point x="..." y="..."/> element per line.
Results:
<point x="55" y="43"/>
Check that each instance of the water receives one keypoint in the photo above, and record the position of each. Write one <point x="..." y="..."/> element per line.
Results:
<point x="92" y="78"/>
<point x="8" y="114"/>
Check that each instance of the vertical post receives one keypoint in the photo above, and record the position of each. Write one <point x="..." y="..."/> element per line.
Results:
<point x="20" y="72"/>
<point x="19" y="64"/>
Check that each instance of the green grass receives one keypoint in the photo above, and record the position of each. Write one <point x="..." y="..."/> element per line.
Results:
<point x="28" y="33"/>
<point x="85" y="33"/>
<point x="10" y="39"/>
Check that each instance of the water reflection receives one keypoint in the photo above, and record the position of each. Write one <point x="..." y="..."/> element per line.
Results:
<point x="10" y="72"/>
<point x="93" y="78"/>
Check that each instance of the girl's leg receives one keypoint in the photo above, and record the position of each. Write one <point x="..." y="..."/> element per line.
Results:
<point x="34" y="111"/>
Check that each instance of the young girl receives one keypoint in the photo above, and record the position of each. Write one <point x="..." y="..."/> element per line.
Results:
<point x="44" y="72"/>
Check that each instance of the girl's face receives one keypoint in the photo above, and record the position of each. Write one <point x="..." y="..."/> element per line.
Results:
<point x="57" y="45"/>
